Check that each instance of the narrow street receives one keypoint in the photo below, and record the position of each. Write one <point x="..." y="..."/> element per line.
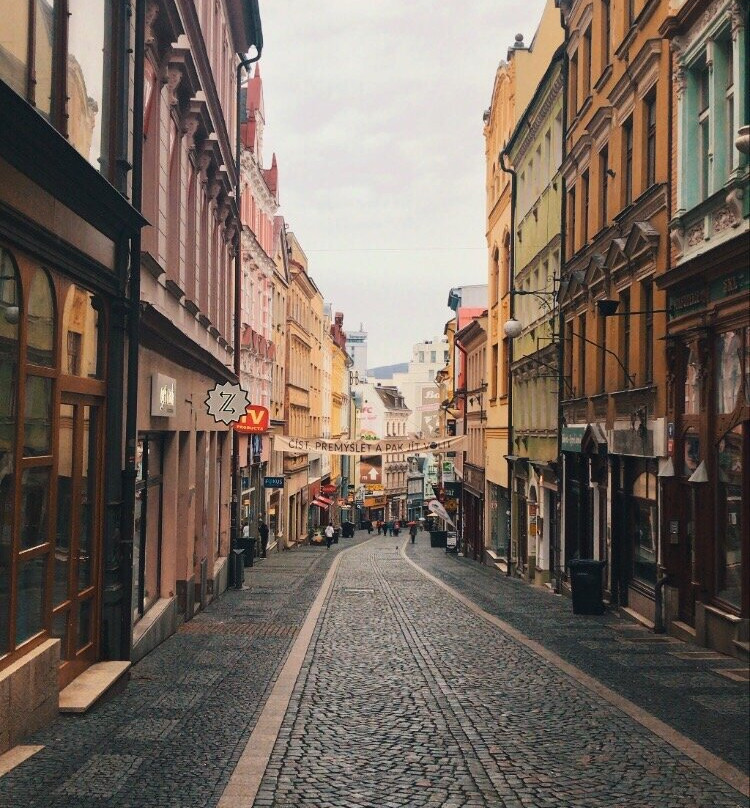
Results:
<point x="407" y="696"/>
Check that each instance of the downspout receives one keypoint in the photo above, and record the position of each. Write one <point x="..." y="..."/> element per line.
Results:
<point x="662" y="576"/>
<point x="561" y="320"/>
<point x="463" y="451"/>
<point x="133" y="331"/>
<point x="234" y="529"/>
<point x="511" y="282"/>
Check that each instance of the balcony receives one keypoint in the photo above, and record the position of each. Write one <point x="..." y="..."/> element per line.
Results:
<point x="717" y="219"/>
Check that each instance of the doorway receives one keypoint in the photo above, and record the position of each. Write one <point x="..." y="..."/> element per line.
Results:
<point x="75" y="608"/>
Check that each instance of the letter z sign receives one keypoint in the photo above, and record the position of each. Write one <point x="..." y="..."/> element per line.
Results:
<point x="255" y="421"/>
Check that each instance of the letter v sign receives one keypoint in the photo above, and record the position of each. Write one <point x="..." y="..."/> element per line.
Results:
<point x="255" y="421"/>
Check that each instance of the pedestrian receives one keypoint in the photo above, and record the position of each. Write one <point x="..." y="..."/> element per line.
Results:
<point x="413" y="531"/>
<point x="378" y="525"/>
<point x="246" y="530"/>
<point x="329" y="535"/>
<point x="263" y="533"/>
<point x="369" y="526"/>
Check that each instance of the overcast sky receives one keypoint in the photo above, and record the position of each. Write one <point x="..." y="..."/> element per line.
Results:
<point x="374" y="110"/>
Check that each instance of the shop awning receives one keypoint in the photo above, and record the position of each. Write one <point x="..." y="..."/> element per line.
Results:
<point x="321" y="502"/>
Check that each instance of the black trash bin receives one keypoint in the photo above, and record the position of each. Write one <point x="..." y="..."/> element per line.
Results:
<point x="248" y="546"/>
<point x="586" y="585"/>
<point x="336" y="535"/>
<point x="237" y="570"/>
<point x="438" y="538"/>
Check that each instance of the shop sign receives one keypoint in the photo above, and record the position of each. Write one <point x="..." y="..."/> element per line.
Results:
<point x="273" y="482"/>
<point x="453" y="489"/>
<point x="163" y="395"/>
<point x="571" y="438"/>
<point x="730" y="285"/>
<point x="329" y="489"/>
<point x="255" y="421"/>
<point x="226" y="402"/>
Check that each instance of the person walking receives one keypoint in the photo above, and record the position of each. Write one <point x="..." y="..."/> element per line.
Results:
<point x="329" y="535"/>
<point x="413" y="531"/>
<point x="378" y="525"/>
<point x="263" y="533"/>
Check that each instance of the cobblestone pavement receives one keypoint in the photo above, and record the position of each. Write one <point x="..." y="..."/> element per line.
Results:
<point x="405" y="698"/>
<point x="677" y="682"/>
<point x="408" y="699"/>
<point x="172" y="738"/>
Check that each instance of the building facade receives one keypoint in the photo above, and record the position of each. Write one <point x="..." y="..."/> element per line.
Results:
<point x="67" y="232"/>
<point x="616" y="174"/>
<point x="707" y="491"/>
<point x="535" y="152"/>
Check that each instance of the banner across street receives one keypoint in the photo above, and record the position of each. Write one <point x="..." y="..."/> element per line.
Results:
<point x="285" y="443"/>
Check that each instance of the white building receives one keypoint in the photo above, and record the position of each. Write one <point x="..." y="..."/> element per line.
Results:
<point x="356" y="347"/>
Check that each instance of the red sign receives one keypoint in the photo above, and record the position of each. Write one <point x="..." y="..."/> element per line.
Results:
<point x="255" y="421"/>
<point x="329" y="489"/>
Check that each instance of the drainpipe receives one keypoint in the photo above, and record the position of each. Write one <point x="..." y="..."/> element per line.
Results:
<point x="511" y="282"/>
<point x="234" y="530"/>
<point x="133" y="331"/>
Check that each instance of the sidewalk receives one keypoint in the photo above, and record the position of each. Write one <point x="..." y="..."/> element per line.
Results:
<point x="172" y="738"/>
<point x="702" y="694"/>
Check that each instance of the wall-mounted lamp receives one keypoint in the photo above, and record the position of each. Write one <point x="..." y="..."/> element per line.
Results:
<point x="667" y="470"/>
<point x="512" y="328"/>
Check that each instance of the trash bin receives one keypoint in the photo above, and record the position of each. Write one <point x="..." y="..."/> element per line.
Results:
<point x="336" y="534"/>
<point x="248" y="547"/>
<point x="451" y="542"/>
<point x="237" y="570"/>
<point x="586" y="585"/>
<point x="438" y="538"/>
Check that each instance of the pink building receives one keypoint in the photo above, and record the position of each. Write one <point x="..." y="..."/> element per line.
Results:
<point x="183" y="488"/>
<point x="259" y="203"/>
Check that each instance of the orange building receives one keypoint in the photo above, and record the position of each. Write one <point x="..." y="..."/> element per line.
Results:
<point x="615" y="224"/>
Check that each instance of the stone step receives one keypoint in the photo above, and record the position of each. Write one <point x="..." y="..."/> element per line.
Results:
<point x="682" y="631"/>
<point x="742" y="650"/>
<point x="85" y="690"/>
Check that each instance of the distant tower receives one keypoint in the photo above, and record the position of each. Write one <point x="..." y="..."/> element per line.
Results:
<point x="356" y="347"/>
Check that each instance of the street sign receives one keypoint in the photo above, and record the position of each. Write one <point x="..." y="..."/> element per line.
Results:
<point x="273" y="482"/>
<point x="370" y="470"/>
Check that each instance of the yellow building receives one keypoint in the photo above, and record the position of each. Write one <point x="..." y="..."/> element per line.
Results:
<point x="298" y="383"/>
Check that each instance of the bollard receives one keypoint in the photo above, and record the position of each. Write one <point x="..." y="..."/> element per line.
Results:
<point x="237" y="568"/>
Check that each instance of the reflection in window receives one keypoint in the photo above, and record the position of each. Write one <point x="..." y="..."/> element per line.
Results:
<point x="44" y="54"/>
<point x="728" y="371"/>
<point x="643" y="522"/>
<point x="729" y="528"/>
<point x="89" y="55"/>
<point x="692" y="451"/>
<point x="30" y="602"/>
<point x="41" y="321"/>
<point x="81" y="334"/>
<point x="34" y="507"/>
<point x="692" y="385"/>
<point x="37" y="435"/>
<point x="64" y="505"/>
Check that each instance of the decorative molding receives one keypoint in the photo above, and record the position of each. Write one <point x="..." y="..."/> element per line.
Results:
<point x="695" y="235"/>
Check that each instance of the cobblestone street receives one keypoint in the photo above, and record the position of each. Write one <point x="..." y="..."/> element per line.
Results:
<point x="406" y="697"/>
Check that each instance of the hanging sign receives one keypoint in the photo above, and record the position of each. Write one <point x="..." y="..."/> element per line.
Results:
<point x="255" y="421"/>
<point x="285" y="443"/>
<point x="227" y="402"/>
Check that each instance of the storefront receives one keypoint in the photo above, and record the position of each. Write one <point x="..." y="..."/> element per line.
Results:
<point x="708" y="498"/>
<point x="498" y="519"/>
<point x="473" y="512"/>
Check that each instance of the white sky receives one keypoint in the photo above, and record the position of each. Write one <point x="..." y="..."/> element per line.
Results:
<point x="374" y="110"/>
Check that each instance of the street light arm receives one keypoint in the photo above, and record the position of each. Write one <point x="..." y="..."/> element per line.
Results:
<point x="631" y="379"/>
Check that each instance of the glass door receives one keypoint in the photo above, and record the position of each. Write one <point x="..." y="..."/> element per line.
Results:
<point x="75" y="607"/>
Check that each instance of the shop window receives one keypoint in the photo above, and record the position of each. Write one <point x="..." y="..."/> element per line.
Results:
<point x="641" y="516"/>
<point x="40" y="321"/>
<point x="729" y="527"/>
<point x="38" y="417"/>
<point x="730" y="359"/>
<point x="83" y="355"/>
<point x="692" y="384"/>
<point x="692" y="451"/>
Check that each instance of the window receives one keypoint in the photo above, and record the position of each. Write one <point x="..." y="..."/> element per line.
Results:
<point x="601" y="371"/>
<point x="573" y="85"/>
<point x="586" y="66"/>
<point x="606" y="34"/>
<point x="70" y="89"/>
<point x="493" y="373"/>
<point x="729" y="513"/>
<point x="568" y="359"/>
<point x="433" y="357"/>
<point x="585" y="202"/>
<point x="726" y="50"/>
<point x="650" y="139"/>
<point x="603" y="186"/>
<point x="582" y="355"/>
<point x="648" y="332"/>
<point x="729" y="363"/>
<point x="704" y="147"/>
<point x="571" y="216"/>
<point x="627" y="141"/>
<point x="640" y="511"/>
<point x="625" y="337"/>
